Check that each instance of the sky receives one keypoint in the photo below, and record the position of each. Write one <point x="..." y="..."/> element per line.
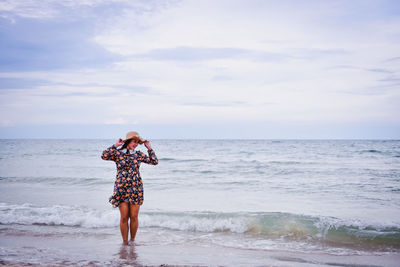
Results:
<point x="207" y="69"/>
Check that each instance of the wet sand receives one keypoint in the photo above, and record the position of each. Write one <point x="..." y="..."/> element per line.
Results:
<point x="105" y="249"/>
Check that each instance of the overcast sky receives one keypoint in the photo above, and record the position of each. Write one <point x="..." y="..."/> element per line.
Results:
<point x="200" y="69"/>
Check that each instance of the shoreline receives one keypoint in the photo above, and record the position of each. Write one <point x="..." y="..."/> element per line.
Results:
<point x="151" y="249"/>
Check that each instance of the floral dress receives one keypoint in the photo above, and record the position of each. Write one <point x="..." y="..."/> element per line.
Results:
<point x="128" y="186"/>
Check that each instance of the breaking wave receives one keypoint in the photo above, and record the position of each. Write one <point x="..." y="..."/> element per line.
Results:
<point x="265" y="225"/>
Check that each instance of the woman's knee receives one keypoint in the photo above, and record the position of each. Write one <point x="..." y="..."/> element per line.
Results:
<point x="133" y="217"/>
<point x="124" y="219"/>
<point x="124" y="210"/>
<point x="133" y="212"/>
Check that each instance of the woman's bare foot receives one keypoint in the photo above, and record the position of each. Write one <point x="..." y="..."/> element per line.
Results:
<point x="125" y="243"/>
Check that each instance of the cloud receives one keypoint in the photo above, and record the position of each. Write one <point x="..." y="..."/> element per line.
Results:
<point x="221" y="62"/>
<point x="214" y="103"/>
<point x="49" y="9"/>
<point x="30" y="44"/>
<point x="209" y="53"/>
<point x="380" y="70"/>
<point x="222" y="78"/>
<point x="38" y="87"/>
<point x="390" y="79"/>
<point x="192" y="53"/>
<point x="16" y="83"/>
<point x="392" y="59"/>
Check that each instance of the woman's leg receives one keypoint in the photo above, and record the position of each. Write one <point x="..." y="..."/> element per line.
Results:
<point x="123" y="224"/>
<point x="133" y="215"/>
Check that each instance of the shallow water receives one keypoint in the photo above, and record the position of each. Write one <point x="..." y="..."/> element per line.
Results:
<point x="338" y="197"/>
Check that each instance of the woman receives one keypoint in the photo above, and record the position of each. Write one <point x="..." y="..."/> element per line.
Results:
<point x="128" y="187"/>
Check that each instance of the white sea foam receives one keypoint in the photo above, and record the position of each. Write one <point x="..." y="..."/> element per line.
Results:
<point x="57" y="215"/>
<point x="196" y="222"/>
<point x="82" y="216"/>
<point x="268" y="225"/>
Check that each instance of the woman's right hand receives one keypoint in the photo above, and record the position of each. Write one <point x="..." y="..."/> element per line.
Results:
<point x="119" y="142"/>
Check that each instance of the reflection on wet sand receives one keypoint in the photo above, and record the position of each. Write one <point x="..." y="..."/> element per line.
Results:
<point x="128" y="253"/>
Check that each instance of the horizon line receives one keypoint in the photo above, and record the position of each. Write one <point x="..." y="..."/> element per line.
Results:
<point x="216" y="139"/>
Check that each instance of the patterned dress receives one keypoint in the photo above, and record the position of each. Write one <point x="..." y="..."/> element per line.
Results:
<point x="128" y="185"/>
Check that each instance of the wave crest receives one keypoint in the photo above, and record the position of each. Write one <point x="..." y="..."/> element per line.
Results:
<point x="265" y="225"/>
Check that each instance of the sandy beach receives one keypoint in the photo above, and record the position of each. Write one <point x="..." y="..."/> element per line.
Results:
<point x="19" y="248"/>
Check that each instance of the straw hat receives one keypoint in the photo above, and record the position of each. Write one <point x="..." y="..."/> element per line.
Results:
<point x="136" y="136"/>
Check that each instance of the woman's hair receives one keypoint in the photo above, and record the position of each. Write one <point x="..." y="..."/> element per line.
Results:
<point x="126" y="143"/>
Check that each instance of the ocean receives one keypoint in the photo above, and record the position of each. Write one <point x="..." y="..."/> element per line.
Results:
<point x="207" y="203"/>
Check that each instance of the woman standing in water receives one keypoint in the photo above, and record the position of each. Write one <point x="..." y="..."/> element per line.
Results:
<point x="128" y="187"/>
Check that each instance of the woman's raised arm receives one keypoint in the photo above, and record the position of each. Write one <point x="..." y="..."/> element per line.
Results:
<point x="112" y="153"/>
<point x="151" y="159"/>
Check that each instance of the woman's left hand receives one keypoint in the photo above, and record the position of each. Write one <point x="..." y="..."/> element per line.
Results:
<point x="147" y="144"/>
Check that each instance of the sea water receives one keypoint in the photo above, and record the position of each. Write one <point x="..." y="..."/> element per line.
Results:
<point x="336" y="197"/>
